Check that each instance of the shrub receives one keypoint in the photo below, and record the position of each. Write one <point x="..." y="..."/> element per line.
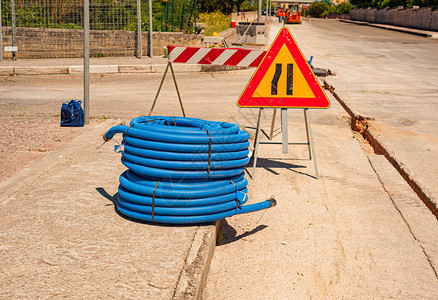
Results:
<point x="343" y="8"/>
<point x="216" y="22"/>
<point x="316" y="9"/>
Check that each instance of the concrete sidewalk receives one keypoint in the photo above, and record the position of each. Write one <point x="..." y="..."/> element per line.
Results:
<point x="104" y="65"/>
<point x="424" y="33"/>
<point x="61" y="236"/>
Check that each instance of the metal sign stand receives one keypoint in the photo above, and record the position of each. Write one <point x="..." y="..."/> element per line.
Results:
<point x="179" y="55"/>
<point x="285" y="143"/>
<point x="169" y="65"/>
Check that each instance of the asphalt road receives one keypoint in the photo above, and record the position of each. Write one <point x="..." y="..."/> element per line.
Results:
<point x="121" y="96"/>
<point x="390" y="79"/>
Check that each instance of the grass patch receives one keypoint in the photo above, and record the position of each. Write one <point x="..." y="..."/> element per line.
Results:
<point x="216" y="22"/>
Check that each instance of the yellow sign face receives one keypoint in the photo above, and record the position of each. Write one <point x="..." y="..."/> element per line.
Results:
<point x="300" y="88"/>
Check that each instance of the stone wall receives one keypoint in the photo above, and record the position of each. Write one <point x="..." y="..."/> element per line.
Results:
<point x="381" y="16"/>
<point x="358" y="14"/>
<point x="392" y="16"/>
<point x="371" y="15"/>
<point x="161" y="39"/>
<point x="246" y="16"/>
<point x="405" y="17"/>
<point x="364" y="14"/>
<point x="67" y="43"/>
<point x="434" y="21"/>
<point x="421" y="18"/>
<point x="354" y="15"/>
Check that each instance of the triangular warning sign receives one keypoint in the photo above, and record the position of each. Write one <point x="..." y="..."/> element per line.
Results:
<point x="283" y="79"/>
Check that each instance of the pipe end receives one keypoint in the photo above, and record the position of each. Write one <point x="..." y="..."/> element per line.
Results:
<point x="105" y="139"/>
<point x="272" y="202"/>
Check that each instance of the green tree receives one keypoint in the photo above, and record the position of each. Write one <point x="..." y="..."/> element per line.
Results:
<point x="225" y="6"/>
<point x="316" y="9"/>
<point x="361" y="3"/>
<point x="343" y="8"/>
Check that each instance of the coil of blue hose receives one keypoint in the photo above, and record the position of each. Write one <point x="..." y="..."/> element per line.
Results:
<point x="183" y="170"/>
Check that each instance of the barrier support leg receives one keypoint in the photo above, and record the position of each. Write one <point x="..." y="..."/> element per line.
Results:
<point x="257" y="131"/>
<point x="159" y="89"/>
<point x="284" y="130"/>
<point x="271" y="134"/>
<point x="310" y="141"/>
<point x="307" y="134"/>
<point x="177" y="90"/>
<point x="257" y="140"/>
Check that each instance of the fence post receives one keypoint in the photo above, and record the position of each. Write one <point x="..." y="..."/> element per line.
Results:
<point x="1" y="33"/>
<point x="14" y="37"/>
<point x="196" y="4"/>
<point x="139" y="35"/>
<point x="259" y="11"/>
<point x="86" y="61"/>
<point x="270" y="7"/>
<point x="166" y="16"/>
<point x="181" y="25"/>
<point x="151" y="51"/>
<point x="173" y="10"/>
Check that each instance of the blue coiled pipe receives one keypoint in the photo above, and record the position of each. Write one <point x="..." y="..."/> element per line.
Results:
<point x="183" y="170"/>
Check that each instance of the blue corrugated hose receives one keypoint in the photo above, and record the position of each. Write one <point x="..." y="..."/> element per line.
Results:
<point x="183" y="170"/>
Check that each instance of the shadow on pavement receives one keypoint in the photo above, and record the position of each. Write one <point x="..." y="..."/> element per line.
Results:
<point x="104" y="193"/>
<point x="229" y="233"/>
<point x="271" y="163"/>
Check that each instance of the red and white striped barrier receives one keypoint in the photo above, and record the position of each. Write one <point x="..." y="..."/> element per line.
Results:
<point x="215" y="56"/>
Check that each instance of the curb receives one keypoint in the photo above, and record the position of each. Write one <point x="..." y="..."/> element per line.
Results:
<point x="193" y="276"/>
<point x="99" y="69"/>
<point x="413" y="31"/>
<point x="227" y="33"/>
<point x="38" y="70"/>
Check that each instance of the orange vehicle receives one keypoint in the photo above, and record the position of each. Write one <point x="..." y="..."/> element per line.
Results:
<point x="293" y="15"/>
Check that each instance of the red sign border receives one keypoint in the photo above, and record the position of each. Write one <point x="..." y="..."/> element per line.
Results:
<point x="285" y="37"/>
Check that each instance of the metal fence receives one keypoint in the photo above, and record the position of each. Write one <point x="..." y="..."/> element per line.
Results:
<point x="54" y="28"/>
